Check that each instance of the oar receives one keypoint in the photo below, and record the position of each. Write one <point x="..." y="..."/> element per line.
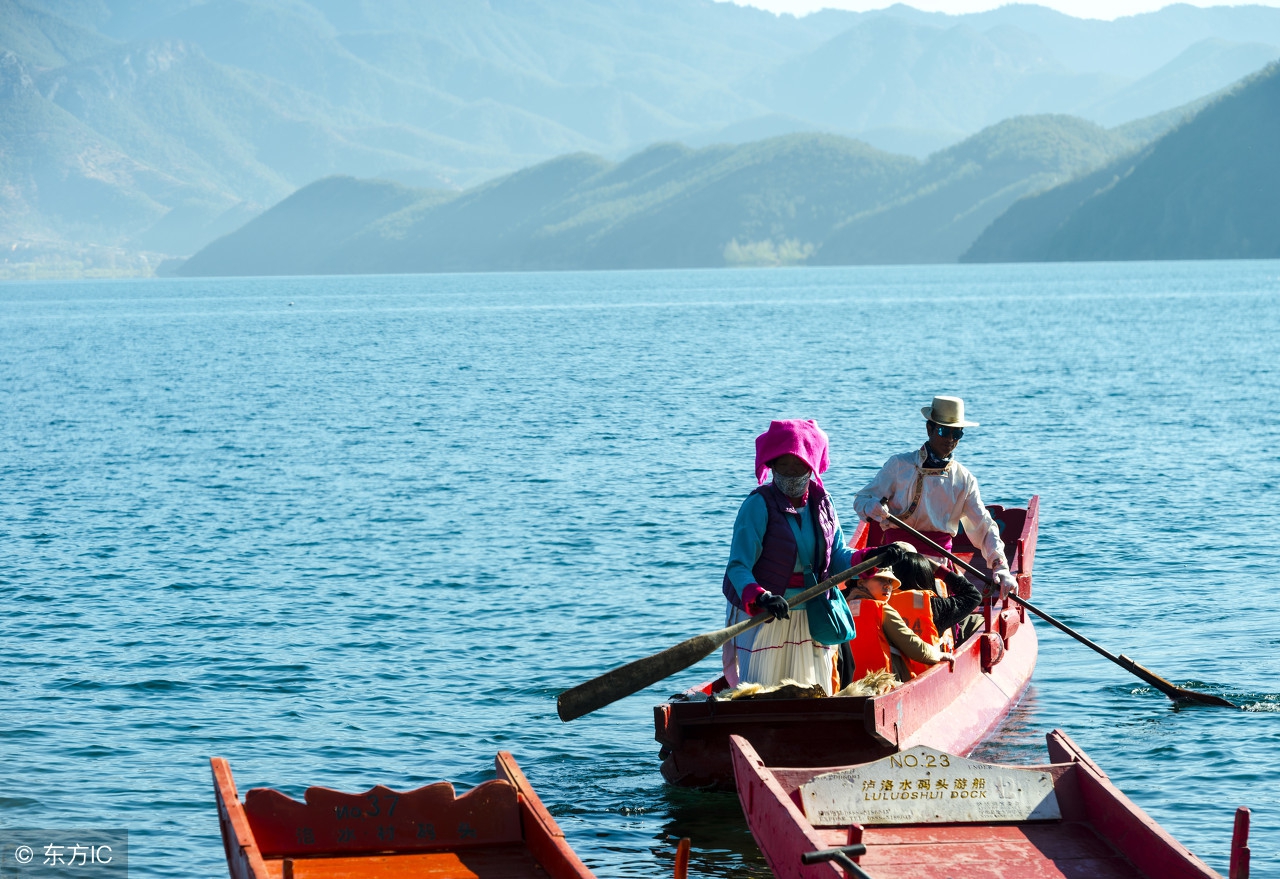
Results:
<point x="635" y="676"/>
<point x="1174" y="692"/>
<point x="841" y="857"/>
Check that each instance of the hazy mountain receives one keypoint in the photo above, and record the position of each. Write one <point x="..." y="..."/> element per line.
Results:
<point x="886" y="71"/>
<point x="1202" y="69"/>
<point x="797" y="198"/>
<point x="960" y="190"/>
<point x="929" y="73"/>
<point x="1129" y="47"/>
<point x="43" y="39"/>
<point x="209" y="108"/>
<point x="310" y="224"/>
<point x="917" y="142"/>
<point x="1032" y="219"/>
<point x="668" y="205"/>
<point x="60" y="175"/>
<point x="1151" y="128"/>
<point x="1209" y="189"/>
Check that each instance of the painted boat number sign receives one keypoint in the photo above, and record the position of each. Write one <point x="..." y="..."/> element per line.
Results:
<point x="924" y="786"/>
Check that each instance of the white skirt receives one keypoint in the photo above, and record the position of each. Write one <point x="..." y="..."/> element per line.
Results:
<point x="735" y="653"/>
<point x="780" y="650"/>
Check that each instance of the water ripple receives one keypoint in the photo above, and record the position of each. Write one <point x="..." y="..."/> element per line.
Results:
<point x="369" y="539"/>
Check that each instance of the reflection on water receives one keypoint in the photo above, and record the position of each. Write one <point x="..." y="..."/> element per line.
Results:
<point x="1020" y="739"/>
<point x="713" y="820"/>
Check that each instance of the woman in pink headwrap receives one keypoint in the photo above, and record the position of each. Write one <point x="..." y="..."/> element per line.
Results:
<point x="787" y="538"/>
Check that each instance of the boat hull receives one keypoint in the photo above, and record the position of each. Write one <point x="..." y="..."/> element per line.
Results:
<point x="1099" y="833"/>
<point x="498" y="829"/>
<point x="950" y="707"/>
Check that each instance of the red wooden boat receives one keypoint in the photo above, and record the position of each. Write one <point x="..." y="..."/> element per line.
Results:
<point x="954" y="817"/>
<point x="497" y="829"/>
<point x="951" y="707"/>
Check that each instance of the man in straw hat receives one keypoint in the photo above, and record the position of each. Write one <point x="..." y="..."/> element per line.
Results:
<point x="935" y="494"/>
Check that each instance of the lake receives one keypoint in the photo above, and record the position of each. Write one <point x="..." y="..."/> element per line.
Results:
<point x="357" y="530"/>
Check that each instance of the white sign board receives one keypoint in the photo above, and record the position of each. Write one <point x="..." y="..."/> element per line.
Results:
<point x="924" y="786"/>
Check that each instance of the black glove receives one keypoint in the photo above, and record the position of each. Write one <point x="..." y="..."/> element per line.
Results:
<point x="889" y="555"/>
<point x="774" y="604"/>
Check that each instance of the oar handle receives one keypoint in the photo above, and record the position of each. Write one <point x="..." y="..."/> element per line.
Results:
<point x="841" y="856"/>
<point x="810" y="593"/>
<point x="986" y="578"/>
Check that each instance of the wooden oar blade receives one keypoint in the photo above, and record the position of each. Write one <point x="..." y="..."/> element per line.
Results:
<point x="1173" y="691"/>
<point x="1186" y="695"/>
<point x="633" y="677"/>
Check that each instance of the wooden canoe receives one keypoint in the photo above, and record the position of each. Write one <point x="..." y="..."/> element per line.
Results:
<point x="951" y="707"/>
<point x="497" y="829"/>
<point x="1066" y="820"/>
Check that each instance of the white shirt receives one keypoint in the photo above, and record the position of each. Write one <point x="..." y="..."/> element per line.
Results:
<point x="948" y="498"/>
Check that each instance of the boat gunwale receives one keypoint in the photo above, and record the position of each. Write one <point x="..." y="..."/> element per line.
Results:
<point x="540" y="837"/>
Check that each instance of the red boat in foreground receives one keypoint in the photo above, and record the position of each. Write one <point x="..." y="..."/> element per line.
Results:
<point x="496" y="830"/>
<point x="925" y="814"/>
<point x="951" y="707"/>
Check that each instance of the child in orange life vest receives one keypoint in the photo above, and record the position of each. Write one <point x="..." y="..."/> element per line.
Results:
<point x="884" y="641"/>
<point x="953" y="605"/>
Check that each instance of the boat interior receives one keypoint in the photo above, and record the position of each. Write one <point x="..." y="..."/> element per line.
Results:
<point x="1101" y="834"/>
<point x="497" y="830"/>
<point x="1019" y="527"/>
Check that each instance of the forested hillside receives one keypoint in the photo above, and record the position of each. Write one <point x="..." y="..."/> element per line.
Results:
<point x="804" y="198"/>
<point x="1210" y="189"/>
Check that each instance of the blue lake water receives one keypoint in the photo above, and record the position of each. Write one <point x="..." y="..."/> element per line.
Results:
<point x="359" y="530"/>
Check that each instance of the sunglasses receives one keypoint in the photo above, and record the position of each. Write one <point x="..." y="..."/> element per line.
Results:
<point x="949" y="432"/>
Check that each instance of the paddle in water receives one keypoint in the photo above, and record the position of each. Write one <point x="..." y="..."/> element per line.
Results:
<point x="635" y="676"/>
<point x="1173" y="691"/>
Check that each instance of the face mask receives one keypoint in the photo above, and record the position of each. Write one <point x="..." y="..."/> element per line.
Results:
<point x="792" y="486"/>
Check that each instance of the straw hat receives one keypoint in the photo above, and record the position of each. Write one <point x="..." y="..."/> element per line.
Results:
<point x="882" y="574"/>
<point x="947" y="411"/>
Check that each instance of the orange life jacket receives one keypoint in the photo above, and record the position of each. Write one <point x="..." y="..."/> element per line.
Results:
<point x="870" y="647"/>
<point x="916" y="609"/>
<point x="946" y="640"/>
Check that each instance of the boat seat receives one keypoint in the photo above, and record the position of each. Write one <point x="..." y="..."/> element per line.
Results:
<point x="496" y="862"/>
<point x="1050" y="850"/>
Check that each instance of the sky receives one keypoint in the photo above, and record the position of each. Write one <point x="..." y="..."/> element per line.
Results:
<point x="1108" y="9"/>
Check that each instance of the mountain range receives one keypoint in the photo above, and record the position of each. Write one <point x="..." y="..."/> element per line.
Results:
<point x="155" y="126"/>
<point x="813" y="198"/>
<point x="1198" y="182"/>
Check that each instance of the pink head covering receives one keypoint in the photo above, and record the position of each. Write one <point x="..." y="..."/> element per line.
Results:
<point x="804" y="439"/>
